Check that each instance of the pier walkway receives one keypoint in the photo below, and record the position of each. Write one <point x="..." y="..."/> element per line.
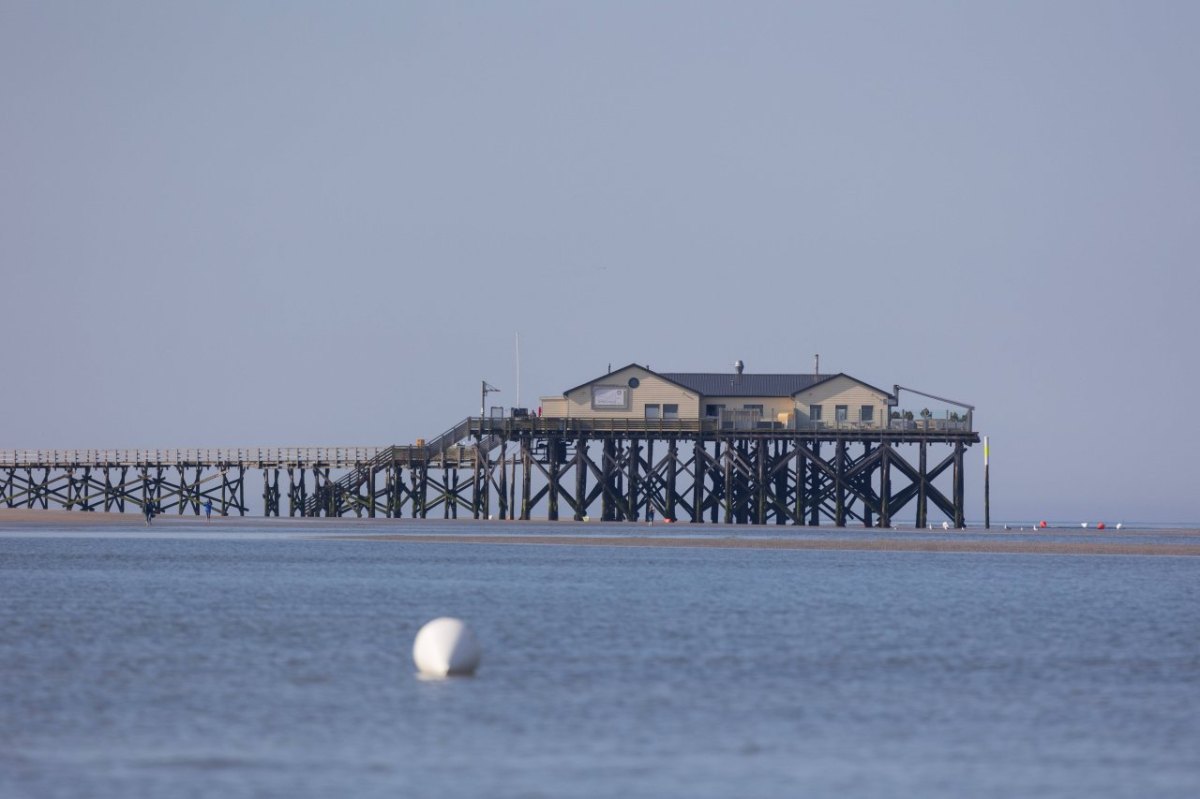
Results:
<point x="613" y="469"/>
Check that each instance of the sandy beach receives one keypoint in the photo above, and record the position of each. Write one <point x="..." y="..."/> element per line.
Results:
<point x="34" y="516"/>
<point x="834" y="542"/>
<point x="465" y="531"/>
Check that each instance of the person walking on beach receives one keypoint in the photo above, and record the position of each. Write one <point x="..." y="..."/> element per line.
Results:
<point x="208" y="509"/>
<point x="148" y="509"/>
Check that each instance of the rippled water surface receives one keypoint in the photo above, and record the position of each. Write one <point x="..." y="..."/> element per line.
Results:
<point x="262" y="663"/>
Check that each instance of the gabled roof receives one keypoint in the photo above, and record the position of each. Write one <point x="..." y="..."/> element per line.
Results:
<point x="848" y="377"/>
<point x="623" y="368"/>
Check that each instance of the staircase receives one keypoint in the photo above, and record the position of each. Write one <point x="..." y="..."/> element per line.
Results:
<point x="446" y="448"/>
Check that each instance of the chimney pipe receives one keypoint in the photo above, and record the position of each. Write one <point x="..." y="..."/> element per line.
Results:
<point x="817" y="364"/>
<point x="739" y="366"/>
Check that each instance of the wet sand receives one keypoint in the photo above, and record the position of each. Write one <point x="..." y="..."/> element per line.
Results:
<point x="836" y="541"/>
<point x="64" y="517"/>
<point x="464" y="531"/>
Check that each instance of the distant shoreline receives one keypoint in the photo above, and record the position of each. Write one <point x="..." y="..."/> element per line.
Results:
<point x="1185" y="543"/>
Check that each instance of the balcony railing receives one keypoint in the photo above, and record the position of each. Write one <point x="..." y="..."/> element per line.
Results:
<point x="737" y="421"/>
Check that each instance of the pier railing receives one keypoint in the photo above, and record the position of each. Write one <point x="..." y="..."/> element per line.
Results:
<point x="256" y="457"/>
<point x="713" y="426"/>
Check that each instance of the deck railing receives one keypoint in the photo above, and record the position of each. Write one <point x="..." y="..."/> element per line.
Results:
<point x="205" y="456"/>
<point x="541" y="425"/>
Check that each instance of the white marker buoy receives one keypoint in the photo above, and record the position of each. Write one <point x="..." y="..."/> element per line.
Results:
<point x="945" y="525"/>
<point x="446" y="647"/>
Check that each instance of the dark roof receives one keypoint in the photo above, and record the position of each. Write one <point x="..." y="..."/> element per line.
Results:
<point x="728" y="384"/>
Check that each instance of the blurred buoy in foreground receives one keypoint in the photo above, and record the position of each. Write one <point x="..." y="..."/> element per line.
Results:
<point x="1042" y="525"/>
<point x="1118" y="525"/>
<point x="446" y="647"/>
<point x="945" y="525"/>
<point x="1083" y="525"/>
<point x="1099" y="525"/>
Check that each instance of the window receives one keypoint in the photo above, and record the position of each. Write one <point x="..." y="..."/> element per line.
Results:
<point x="841" y="413"/>
<point x="671" y="410"/>
<point x="866" y="413"/>
<point x="654" y="411"/>
<point x="713" y="411"/>
<point x="814" y="413"/>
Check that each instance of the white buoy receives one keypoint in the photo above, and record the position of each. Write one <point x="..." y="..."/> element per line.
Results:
<point x="1118" y="525"/>
<point x="446" y="647"/>
<point x="945" y="525"/>
<point x="1083" y="525"/>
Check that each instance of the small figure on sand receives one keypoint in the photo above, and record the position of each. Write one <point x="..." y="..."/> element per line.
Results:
<point x="149" y="509"/>
<point x="208" y="509"/>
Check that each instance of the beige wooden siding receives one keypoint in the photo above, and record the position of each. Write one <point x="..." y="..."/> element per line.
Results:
<point x="651" y="390"/>
<point x="771" y="406"/>
<point x="554" y="406"/>
<point x="842" y="391"/>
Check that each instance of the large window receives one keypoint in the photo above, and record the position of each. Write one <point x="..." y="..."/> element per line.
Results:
<point x="713" y="411"/>
<point x="670" y="410"/>
<point x="814" y="413"/>
<point x="653" y="411"/>
<point x="866" y="413"/>
<point x="841" y="412"/>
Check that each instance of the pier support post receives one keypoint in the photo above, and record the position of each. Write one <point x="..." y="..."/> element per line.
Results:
<point x="631" y="502"/>
<point x="553" y="454"/>
<point x="580" y="478"/>
<point x="502" y="499"/>
<point x="959" y="519"/>
<point x="885" y="486"/>
<point x="814" y="496"/>
<point x="672" y="476"/>
<point x="840" y="484"/>
<point x="475" y="481"/>
<point x="922" y="488"/>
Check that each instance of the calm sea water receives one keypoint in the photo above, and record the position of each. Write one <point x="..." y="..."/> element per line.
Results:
<point x="261" y="663"/>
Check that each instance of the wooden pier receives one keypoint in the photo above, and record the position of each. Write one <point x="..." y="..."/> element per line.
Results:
<point x="522" y="467"/>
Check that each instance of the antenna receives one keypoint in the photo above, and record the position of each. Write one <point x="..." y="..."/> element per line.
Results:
<point x="518" y="337"/>
<point x="817" y="364"/>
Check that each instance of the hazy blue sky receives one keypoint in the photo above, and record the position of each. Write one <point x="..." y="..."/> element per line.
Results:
<point x="292" y="223"/>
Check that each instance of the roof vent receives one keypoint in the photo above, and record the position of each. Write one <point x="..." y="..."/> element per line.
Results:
<point x="739" y="366"/>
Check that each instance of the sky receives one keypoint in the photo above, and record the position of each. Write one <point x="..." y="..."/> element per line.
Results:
<point x="261" y="223"/>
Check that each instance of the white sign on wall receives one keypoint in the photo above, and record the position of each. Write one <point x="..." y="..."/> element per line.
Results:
<point x="610" y="397"/>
